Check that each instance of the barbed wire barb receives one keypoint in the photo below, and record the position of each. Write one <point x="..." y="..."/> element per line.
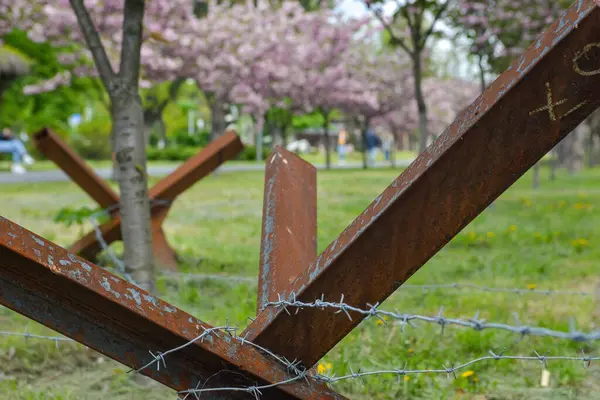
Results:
<point x="404" y="319"/>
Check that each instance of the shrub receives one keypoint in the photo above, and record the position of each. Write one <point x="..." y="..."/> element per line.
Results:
<point x="182" y="138"/>
<point x="249" y="153"/>
<point x="172" y="153"/>
<point x="92" y="139"/>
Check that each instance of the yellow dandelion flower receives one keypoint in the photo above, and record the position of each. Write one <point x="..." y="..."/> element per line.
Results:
<point x="512" y="228"/>
<point x="582" y="195"/>
<point x="531" y="286"/>
<point x="537" y="235"/>
<point x="321" y="368"/>
<point x="406" y="378"/>
<point x="468" y="373"/>
<point x="471" y="235"/>
<point x="579" y="242"/>
<point x="328" y="365"/>
<point x="410" y="350"/>
<point x="491" y="235"/>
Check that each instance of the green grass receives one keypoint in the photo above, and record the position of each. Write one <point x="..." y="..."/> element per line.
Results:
<point x="546" y="237"/>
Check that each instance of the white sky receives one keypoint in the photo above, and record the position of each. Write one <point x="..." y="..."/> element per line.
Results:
<point x="456" y="65"/>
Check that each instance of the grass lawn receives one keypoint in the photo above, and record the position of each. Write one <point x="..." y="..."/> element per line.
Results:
<point x="546" y="238"/>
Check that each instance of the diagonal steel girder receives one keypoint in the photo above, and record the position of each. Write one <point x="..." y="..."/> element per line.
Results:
<point x="96" y="308"/>
<point x="197" y="167"/>
<point x="535" y="103"/>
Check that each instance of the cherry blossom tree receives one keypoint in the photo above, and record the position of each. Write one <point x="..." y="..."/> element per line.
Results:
<point x="221" y="49"/>
<point x="500" y="30"/>
<point x="381" y="83"/>
<point x="308" y="71"/>
<point x="113" y="33"/>
<point x="410" y="27"/>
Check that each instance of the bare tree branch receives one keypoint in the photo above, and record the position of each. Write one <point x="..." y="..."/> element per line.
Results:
<point x="94" y="43"/>
<point x="404" y="11"/>
<point x="436" y="17"/>
<point x="129" y="69"/>
<point x="390" y="30"/>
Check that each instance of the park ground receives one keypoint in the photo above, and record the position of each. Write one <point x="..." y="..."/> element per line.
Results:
<point x="317" y="159"/>
<point x="530" y="239"/>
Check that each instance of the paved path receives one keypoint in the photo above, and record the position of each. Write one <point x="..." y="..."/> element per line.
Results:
<point x="159" y="170"/>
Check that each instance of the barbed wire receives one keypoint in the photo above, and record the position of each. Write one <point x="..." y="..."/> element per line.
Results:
<point x="255" y="390"/>
<point x="291" y="366"/>
<point x="28" y="335"/>
<point x="542" y="358"/>
<point x="100" y="238"/>
<point x="406" y="319"/>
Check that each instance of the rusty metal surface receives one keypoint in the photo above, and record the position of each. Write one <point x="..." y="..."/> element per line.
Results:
<point x="197" y="167"/>
<point x="164" y="255"/>
<point x="88" y="245"/>
<point x="289" y="225"/>
<point x="80" y="300"/>
<point x="222" y="149"/>
<point x="56" y="150"/>
<point x="542" y="96"/>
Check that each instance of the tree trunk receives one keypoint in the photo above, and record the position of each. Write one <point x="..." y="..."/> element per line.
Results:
<point x="570" y="150"/>
<point x="161" y="129"/>
<point x="421" y="105"/>
<point x="595" y="150"/>
<point x="400" y="143"/>
<point x="128" y="128"/>
<point x="553" y="165"/>
<point x="4" y="84"/>
<point x="260" y="125"/>
<point x="276" y="135"/>
<point x="536" y="175"/>
<point x="363" y="135"/>
<point x="412" y="143"/>
<point x="594" y="139"/>
<point x="115" y="170"/>
<point x="217" y="118"/>
<point x="589" y="149"/>
<point x="327" y="141"/>
<point x="482" y="83"/>
<point x="284" y="135"/>
<point x="130" y="154"/>
<point x="394" y="149"/>
<point x="148" y="126"/>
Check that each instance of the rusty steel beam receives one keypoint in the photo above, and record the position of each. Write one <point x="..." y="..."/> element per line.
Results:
<point x="56" y="150"/>
<point x="289" y="225"/>
<point x="535" y="103"/>
<point x="82" y="301"/>
<point x="222" y="149"/>
<point x="197" y="167"/>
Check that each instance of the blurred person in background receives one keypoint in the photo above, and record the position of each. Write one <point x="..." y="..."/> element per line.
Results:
<point x="342" y="139"/>
<point x="372" y="141"/>
<point x="10" y="144"/>
<point x="386" y="146"/>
